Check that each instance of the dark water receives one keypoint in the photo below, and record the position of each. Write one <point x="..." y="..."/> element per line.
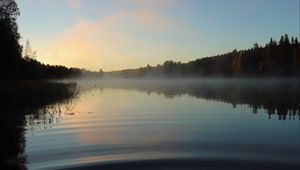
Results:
<point x="167" y="125"/>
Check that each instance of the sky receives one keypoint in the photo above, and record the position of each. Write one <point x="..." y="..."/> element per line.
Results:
<point x="121" y="34"/>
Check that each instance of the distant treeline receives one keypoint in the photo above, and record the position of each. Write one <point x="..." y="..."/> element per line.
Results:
<point x="275" y="59"/>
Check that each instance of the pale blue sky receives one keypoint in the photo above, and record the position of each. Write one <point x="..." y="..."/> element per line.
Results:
<point x="118" y="34"/>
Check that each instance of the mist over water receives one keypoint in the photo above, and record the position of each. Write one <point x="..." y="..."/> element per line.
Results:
<point x="177" y="124"/>
<point x="181" y="100"/>
<point x="274" y="95"/>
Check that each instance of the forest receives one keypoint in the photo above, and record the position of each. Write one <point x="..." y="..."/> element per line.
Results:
<point x="13" y="65"/>
<point x="275" y="59"/>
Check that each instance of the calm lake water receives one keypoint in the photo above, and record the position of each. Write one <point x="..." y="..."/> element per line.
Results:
<point x="169" y="125"/>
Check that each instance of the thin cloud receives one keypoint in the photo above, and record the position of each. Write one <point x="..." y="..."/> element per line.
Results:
<point x="76" y="4"/>
<point x="118" y="41"/>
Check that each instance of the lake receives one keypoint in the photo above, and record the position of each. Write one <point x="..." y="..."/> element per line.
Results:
<point x="167" y="124"/>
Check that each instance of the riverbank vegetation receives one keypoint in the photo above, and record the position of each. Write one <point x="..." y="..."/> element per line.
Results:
<point x="23" y="82"/>
<point x="34" y="94"/>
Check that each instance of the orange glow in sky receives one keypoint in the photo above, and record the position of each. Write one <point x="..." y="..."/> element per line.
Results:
<point x="120" y="34"/>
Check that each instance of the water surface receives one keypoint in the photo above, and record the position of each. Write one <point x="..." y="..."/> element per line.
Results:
<point x="169" y="125"/>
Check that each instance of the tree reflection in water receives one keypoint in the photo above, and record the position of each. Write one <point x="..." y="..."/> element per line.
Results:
<point x="280" y="98"/>
<point x="45" y="117"/>
<point x="276" y="96"/>
<point x="22" y="103"/>
<point x="12" y="141"/>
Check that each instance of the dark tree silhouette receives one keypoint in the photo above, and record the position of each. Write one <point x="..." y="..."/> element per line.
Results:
<point x="10" y="48"/>
<point x="12" y="65"/>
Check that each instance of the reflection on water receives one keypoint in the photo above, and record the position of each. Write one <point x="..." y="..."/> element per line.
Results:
<point x="168" y="125"/>
<point x="18" y="99"/>
<point x="279" y="97"/>
<point x="12" y="142"/>
<point x="47" y="116"/>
